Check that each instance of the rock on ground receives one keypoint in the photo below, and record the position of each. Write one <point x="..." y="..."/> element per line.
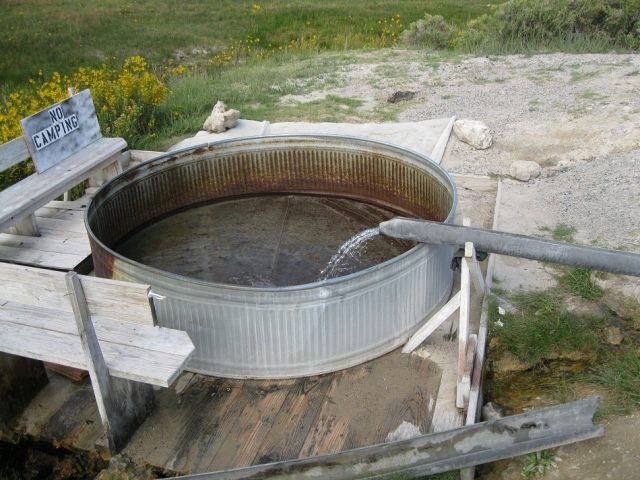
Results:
<point x="473" y="132"/>
<point x="524" y="170"/>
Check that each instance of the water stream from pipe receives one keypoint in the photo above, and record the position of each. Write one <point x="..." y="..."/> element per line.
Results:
<point x="348" y="250"/>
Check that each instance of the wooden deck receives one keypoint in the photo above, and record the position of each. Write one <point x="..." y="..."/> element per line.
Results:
<point x="216" y="423"/>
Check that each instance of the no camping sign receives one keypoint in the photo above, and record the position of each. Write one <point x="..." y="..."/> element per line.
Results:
<point x="59" y="131"/>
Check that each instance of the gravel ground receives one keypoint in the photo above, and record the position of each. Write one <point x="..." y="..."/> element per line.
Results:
<point x="576" y="115"/>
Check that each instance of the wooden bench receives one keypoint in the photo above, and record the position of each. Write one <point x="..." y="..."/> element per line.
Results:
<point x="66" y="146"/>
<point x="19" y="202"/>
<point x="104" y="326"/>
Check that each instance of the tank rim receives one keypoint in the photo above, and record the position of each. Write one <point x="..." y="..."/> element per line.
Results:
<point x="290" y="288"/>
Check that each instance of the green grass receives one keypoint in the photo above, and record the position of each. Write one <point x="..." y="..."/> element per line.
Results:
<point x="536" y="464"/>
<point x="620" y="375"/>
<point x="579" y="282"/>
<point x="66" y="34"/>
<point x="561" y="232"/>
<point x="540" y="328"/>
<point x="591" y="95"/>
<point x="257" y="89"/>
<point x="577" y="76"/>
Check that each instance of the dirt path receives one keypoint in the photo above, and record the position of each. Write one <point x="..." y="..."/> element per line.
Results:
<point x="576" y="115"/>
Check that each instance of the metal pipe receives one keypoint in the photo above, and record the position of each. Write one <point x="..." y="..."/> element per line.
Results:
<point x="513" y="245"/>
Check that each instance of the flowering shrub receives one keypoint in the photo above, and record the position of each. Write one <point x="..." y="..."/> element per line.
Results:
<point x="125" y="98"/>
<point x="125" y="101"/>
<point x="386" y="33"/>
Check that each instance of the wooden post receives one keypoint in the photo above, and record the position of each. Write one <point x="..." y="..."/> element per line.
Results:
<point x="20" y="381"/>
<point x="465" y="383"/>
<point x="103" y="175"/>
<point x="474" y="268"/>
<point x="123" y="404"/>
<point x="27" y="226"/>
<point x="463" y="324"/>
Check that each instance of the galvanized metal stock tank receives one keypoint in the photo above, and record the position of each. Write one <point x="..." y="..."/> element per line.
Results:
<point x="250" y="332"/>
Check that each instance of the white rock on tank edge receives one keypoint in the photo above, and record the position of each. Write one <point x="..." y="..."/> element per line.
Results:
<point x="221" y="118"/>
<point x="475" y="133"/>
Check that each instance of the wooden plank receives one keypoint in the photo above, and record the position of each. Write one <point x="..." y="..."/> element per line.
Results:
<point x="294" y="420"/>
<point x="71" y="214"/>
<point x="475" y="390"/>
<point x="35" y="191"/>
<point x="153" y="339"/>
<point x="439" y="452"/>
<point x="474" y="268"/>
<point x="123" y="301"/>
<point x="79" y="205"/>
<point x="12" y="152"/>
<point x="75" y="374"/>
<point x="38" y="258"/>
<point x="327" y="436"/>
<point x="475" y="395"/>
<point x="45" y="345"/>
<point x="331" y="429"/>
<point x="243" y="441"/>
<point x="198" y="426"/>
<point x="67" y="421"/>
<point x="438" y="150"/>
<point x="64" y="225"/>
<point x="475" y="182"/>
<point x="432" y="324"/>
<point x="25" y="226"/>
<point x="123" y="405"/>
<point x="48" y="243"/>
<point x="127" y="362"/>
<point x="101" y="176"/>
<point x="33" y="286"/>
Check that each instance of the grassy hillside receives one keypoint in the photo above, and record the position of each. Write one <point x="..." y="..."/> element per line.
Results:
<point x="41" y="35"/>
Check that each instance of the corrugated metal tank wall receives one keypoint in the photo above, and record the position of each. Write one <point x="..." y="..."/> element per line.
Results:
<point x="289" y="331"/>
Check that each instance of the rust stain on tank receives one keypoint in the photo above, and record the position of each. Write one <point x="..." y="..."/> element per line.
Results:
<point x="213" y="172"/>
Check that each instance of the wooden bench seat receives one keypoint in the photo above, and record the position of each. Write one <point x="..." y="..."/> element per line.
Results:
<point x="104" y="326"/>
<point x="23" y="198"/>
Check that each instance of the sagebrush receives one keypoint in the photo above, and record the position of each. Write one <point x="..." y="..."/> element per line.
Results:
<point x="518" y="25"/>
